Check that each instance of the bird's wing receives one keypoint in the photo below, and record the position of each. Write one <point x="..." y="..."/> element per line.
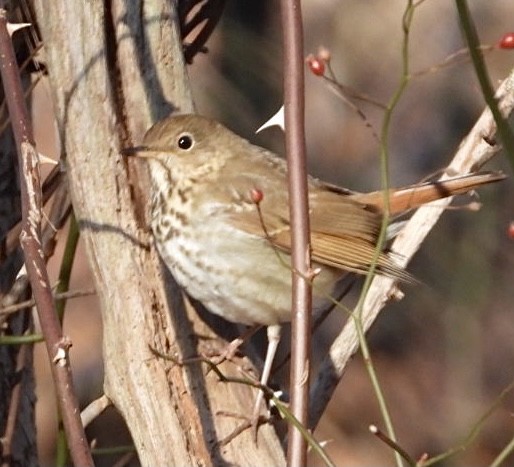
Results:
<point x="343" y="232"/>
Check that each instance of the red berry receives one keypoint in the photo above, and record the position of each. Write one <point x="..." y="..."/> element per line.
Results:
<point x="256" y="195"/>
<point x="507" y="41"/>
<point x="316" y="65"/>
<point x="510" y="230"/>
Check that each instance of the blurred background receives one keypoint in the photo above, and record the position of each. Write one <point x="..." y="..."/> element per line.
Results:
<point x="446" y="351"/>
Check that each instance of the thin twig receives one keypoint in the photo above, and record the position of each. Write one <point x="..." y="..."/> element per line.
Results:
<point x="392" y="444"/>
<point x="209" y="14"/>
<point x="294" y="107"/>
<point x="21" y="339"/>
<point x="125" y="459"/>
<point x="57" y="345"/>
<point x="506" y="452"/>
<point x="94" y="409"/>
<point x="456" y="58"/>
<point x="471" y="35"/>
<point x="382" y="238"/>
<point x="58" y="296"/>
<point x="474" y="431"/>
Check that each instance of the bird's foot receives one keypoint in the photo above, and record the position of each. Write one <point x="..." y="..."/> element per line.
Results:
<point x="229" y="352"/>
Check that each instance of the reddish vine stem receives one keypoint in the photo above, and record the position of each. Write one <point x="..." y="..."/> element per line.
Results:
<point x="294" y="107"/>
<point x="30" y="238"/>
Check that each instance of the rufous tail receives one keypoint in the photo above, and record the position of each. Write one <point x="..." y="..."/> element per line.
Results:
<point x="413" y="196"/>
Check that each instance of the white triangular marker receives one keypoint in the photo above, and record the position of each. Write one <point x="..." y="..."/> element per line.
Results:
<point x="276" y="120"/>
<point x="13" y="27"/>
<point x="46" y="160"/>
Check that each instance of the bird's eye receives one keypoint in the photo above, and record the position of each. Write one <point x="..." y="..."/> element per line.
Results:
<point x="185" y="142"/>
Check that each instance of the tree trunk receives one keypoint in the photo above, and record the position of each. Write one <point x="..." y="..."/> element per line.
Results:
<point x="116" y="67"/>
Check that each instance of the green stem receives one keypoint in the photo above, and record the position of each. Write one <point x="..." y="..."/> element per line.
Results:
<point x="20" y="340"/>
<point x="384" y="177"/>
<point x="474" y="432"/>
<point x="60" y="305"/>
<point x="472" y="39"/>
<point x="61" y="450"/>
<point x="67" y="264"/>
<point x="506" y="451"/>
<point x="384" y="146"/>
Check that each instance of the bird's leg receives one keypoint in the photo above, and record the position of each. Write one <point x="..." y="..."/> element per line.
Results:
<point x="273" y="341"/>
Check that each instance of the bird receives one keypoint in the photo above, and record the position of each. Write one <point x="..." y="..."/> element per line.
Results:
<point x="220" y="220"/>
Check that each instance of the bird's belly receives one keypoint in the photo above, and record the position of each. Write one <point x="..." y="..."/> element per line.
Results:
<point x="243" y="279"/>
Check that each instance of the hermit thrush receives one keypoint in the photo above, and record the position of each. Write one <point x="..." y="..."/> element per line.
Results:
<point x="221" y="222"/>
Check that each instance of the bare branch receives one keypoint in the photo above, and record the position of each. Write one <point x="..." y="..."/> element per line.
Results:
<point x="94" y="409"/>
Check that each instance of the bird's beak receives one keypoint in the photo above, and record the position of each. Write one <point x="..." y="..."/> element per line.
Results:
<point x="140" y="151"/>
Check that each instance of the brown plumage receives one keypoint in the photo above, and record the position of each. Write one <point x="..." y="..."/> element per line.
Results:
<point x="231" y="254"/>
<point x="208" y="185"/>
